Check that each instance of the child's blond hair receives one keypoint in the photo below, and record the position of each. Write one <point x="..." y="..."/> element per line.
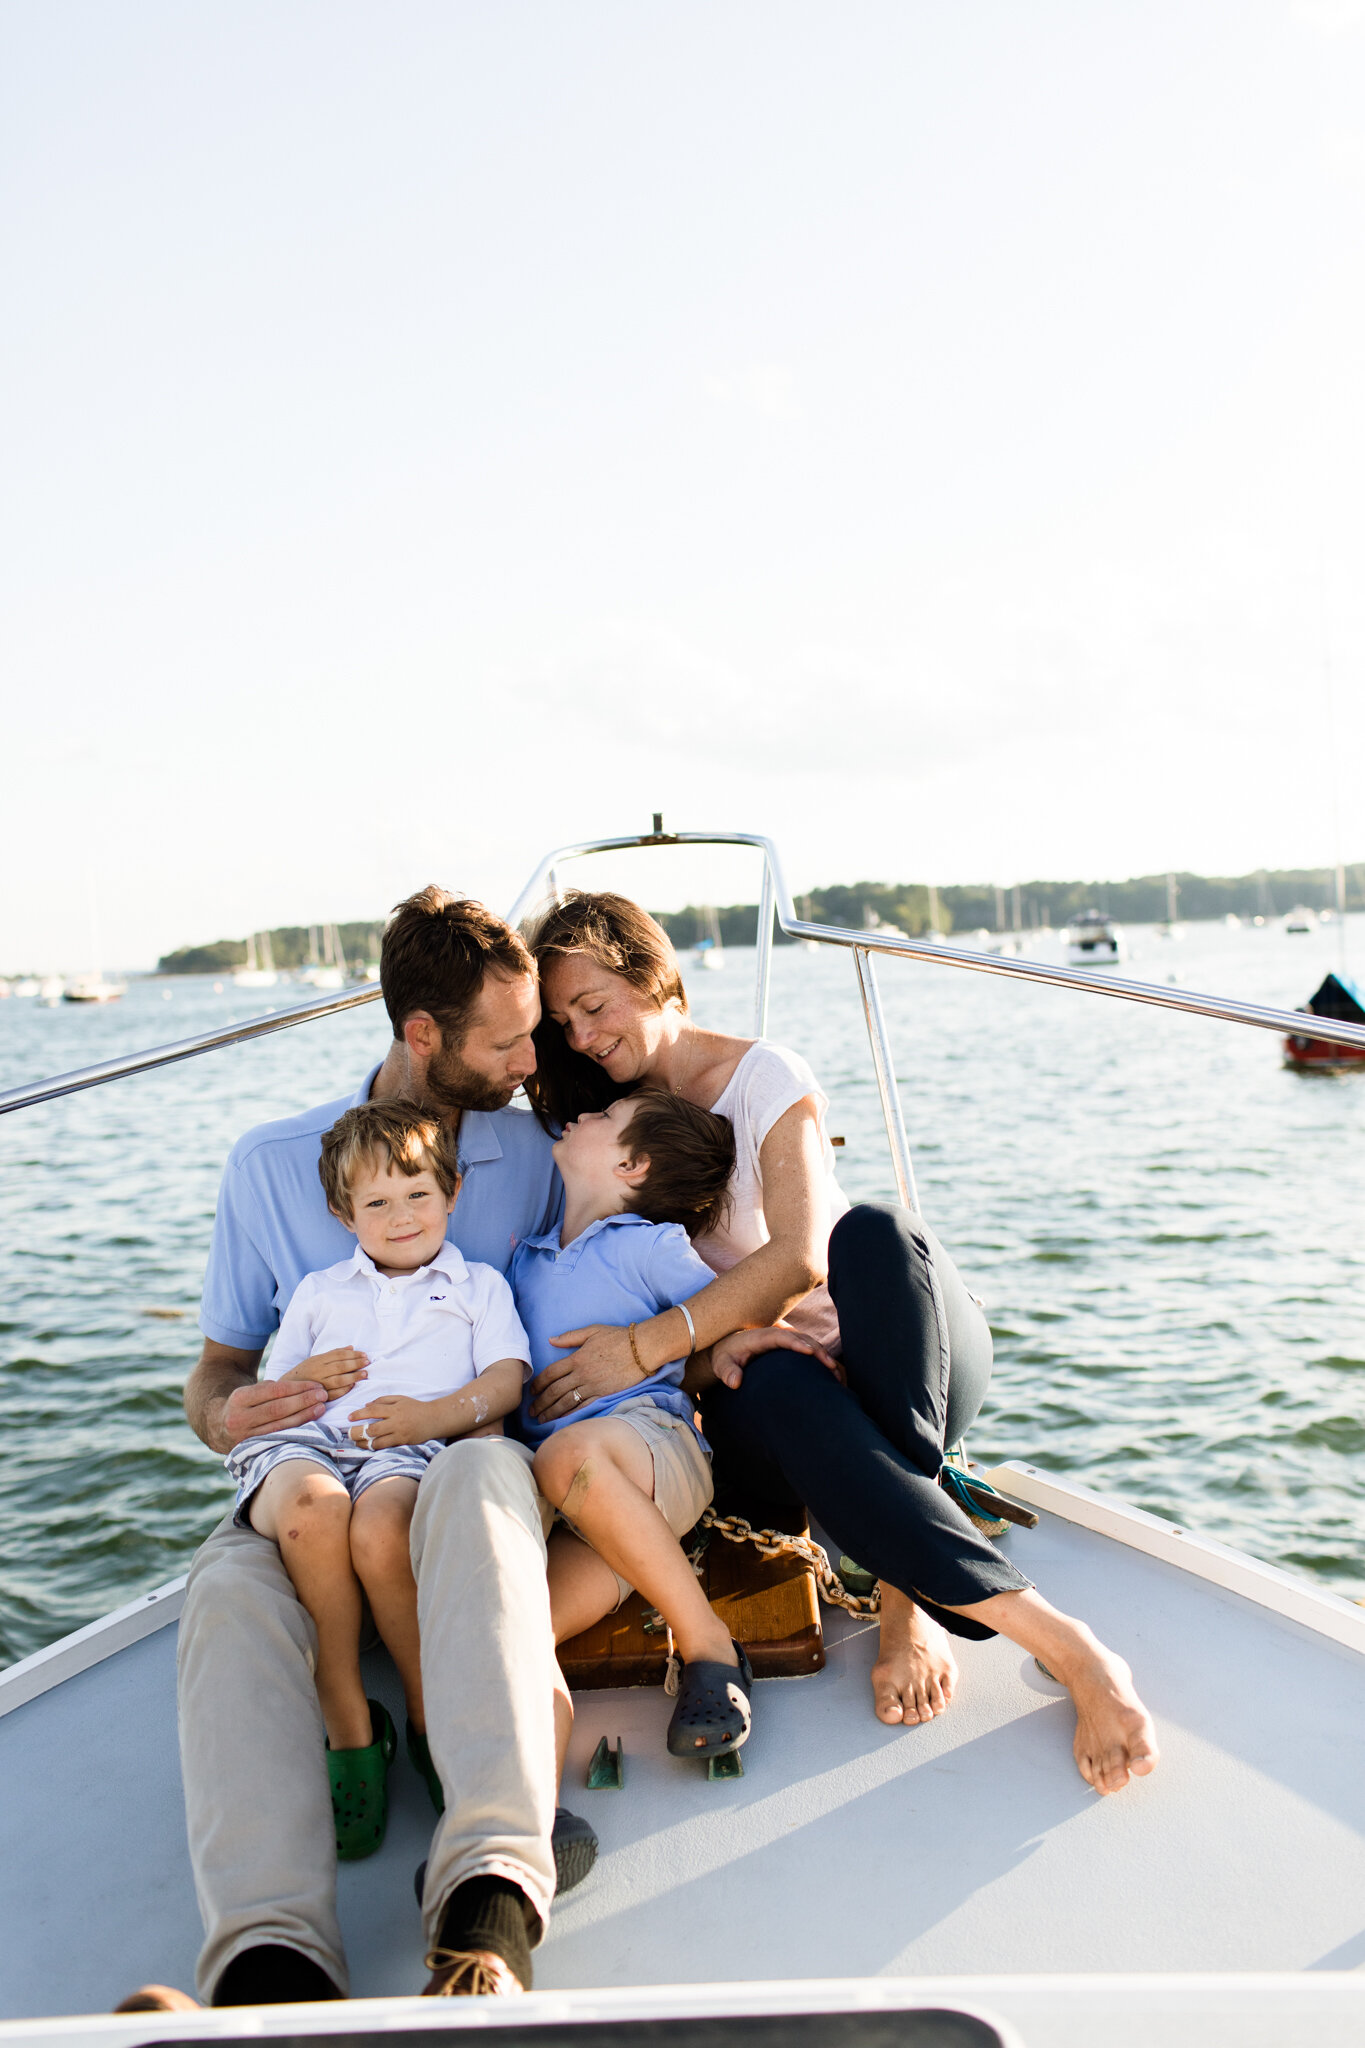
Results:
<point x="403" y="1134"/>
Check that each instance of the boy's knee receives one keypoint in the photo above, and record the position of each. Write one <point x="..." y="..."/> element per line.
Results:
<point x="381" y="1537"/>
<point x="319" y="1511"/>
<point x="557" y="1465"/>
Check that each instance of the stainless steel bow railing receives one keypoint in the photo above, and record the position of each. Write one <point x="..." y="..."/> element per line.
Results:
<point x="775" y="903"/>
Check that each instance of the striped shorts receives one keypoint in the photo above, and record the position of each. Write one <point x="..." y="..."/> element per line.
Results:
<point x="329" y="1446"/>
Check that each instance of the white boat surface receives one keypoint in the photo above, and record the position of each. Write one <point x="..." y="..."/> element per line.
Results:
<point x="1300" y="920"/>
<point x="968" y="1852"/>
<point x="852" y="1868"/>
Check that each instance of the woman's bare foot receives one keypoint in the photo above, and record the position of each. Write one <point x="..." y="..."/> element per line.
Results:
<point x="1115" y="1739"/>
<point x="915" y="1671"/>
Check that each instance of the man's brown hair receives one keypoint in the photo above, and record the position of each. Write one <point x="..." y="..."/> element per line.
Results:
<point x="397" y="1132"/>
<point x="436" y="952"/>
<point x="622" y="937"/>
<point x="691" y="1153"/>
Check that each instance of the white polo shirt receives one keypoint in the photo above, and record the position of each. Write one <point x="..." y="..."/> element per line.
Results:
<point x="426" y="1334"/>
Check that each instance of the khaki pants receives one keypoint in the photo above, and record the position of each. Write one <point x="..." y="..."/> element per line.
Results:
<point x="257" y="1803"/>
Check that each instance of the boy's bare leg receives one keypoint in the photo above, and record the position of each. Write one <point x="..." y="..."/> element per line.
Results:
<point x="601" y="1475"/>
<point x="1115" y="1738"/>
<point x="381" y="1529"/>
<point x="307" y="1512"/>
<point x="582" y="1591"/>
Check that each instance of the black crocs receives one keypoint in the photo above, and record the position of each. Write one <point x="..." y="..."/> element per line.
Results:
<point x="712" y="1713"/>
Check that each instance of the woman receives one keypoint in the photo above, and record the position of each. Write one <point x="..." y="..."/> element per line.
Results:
<point x="835" y="1362"/>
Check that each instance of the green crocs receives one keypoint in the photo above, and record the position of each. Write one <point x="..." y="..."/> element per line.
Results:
<point x="419" y="1756"/>
<point x="360" y="1788"/>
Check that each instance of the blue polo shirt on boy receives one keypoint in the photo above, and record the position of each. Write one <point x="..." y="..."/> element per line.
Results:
<point x="273" y="1225"/>
<point x="622" y="1269"/>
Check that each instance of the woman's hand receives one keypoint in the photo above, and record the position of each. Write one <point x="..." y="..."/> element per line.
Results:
<point x="730" y="1356"/>
<point x="600" y="1362"/>
<point x="393" y="1419"/>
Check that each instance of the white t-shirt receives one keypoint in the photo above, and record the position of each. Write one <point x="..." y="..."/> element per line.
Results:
<point x="764" y="1086"/>
<point x="426" y="1334"/>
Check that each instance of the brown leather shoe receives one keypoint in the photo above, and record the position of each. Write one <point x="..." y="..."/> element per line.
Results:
<point x="158" y="1998"/>
<point x="469" y="1973"/>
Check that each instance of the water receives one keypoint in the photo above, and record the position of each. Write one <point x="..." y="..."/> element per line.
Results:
<point x="1165" y="1224"/>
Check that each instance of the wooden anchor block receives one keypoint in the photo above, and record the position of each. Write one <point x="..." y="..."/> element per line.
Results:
<point x="769" y="1605"/>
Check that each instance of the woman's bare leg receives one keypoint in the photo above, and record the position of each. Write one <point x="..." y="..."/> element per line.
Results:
<point x="381" y="1527"/>
<point x="915" y="1672"/>
<point x="1115" y="1739"/>
<point x="307" y="1511"/>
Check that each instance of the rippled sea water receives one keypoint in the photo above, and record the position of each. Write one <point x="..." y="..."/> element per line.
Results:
<point x="1164" y="1221"/>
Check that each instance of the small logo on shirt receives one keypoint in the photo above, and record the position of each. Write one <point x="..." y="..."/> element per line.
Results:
<point x="435" y="1297"/>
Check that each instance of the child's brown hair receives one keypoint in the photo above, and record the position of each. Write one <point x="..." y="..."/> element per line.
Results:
<point x="691" y="1153"/>
<point x="400" y="1132"/>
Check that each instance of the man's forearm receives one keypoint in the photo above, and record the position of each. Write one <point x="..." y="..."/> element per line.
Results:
<point x="212" y="1383"/>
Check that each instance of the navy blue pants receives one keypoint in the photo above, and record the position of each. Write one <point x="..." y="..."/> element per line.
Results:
<point x="865" y="1458"/>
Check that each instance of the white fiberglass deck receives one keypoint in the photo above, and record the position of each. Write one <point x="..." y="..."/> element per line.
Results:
<point x="970" y="1847"/>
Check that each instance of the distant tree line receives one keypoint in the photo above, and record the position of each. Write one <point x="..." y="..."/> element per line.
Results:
<point x="907" y="904"/>
<point x="1141" y="900"/>
<point x="288" y="947"/>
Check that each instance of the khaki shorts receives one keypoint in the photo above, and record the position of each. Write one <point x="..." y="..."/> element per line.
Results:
<point x="682" y="1470"/>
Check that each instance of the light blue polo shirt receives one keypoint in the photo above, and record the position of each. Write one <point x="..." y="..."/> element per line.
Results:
<point x="273" y="1224"/>
<point x="621" y="1270"/>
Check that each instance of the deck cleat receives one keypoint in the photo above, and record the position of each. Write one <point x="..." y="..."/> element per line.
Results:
<point x="607" y="1769"/>
<point x="727" y="1763"/>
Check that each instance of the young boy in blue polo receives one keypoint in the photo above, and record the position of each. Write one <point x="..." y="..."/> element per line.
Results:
<point x="629" y="1472"/>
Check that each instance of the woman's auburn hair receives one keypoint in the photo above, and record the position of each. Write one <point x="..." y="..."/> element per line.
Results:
<point x="624" y="939"/>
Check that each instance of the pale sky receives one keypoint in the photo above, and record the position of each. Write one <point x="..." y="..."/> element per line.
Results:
<point x="932" y="434"/>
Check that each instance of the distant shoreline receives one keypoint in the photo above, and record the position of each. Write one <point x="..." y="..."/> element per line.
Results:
<point x="961" y="907"/>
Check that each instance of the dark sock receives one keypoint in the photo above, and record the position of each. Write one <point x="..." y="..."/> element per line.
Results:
<point x="492" y="1914"/>
<point x="272" y="1975"/>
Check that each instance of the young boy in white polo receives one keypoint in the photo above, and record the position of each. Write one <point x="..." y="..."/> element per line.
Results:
<point x="445" y="1355"/>
<point x="630" y="1472"/>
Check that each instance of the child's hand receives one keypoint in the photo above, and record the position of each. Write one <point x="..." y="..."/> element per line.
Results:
<point x="337" y="1371"/>
<point x="393" y="1419"/>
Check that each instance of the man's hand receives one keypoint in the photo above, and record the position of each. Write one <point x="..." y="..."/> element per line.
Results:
<point x="600" y="1362"/>
<point x="730" y="1356"/>
<point x="226" y="1403"/>
<point x="393" y="1419"/>
<point x="265" y="1406"/>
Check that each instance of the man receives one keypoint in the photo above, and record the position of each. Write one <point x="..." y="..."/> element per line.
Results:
<point x="460" y="990"/>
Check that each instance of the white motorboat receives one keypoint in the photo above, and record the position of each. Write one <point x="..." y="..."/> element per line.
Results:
<point x="1300" y="920"/>
<point x="853" y="1880"/>
<point x="28" y="985"/>
<point x="1094" y="940"/>
<point x="260" y="970"/>
<point x="93" y="988"/>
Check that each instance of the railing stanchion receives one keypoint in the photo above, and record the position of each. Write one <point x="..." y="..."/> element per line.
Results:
<point x="765" y="952"/>
<point x="884" y="1067"/>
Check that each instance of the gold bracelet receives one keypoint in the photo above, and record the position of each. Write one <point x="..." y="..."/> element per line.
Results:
<point x="635" y="1352"/>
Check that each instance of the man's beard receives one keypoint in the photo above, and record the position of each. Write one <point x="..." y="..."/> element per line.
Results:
<point x="451" y="1084"/>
